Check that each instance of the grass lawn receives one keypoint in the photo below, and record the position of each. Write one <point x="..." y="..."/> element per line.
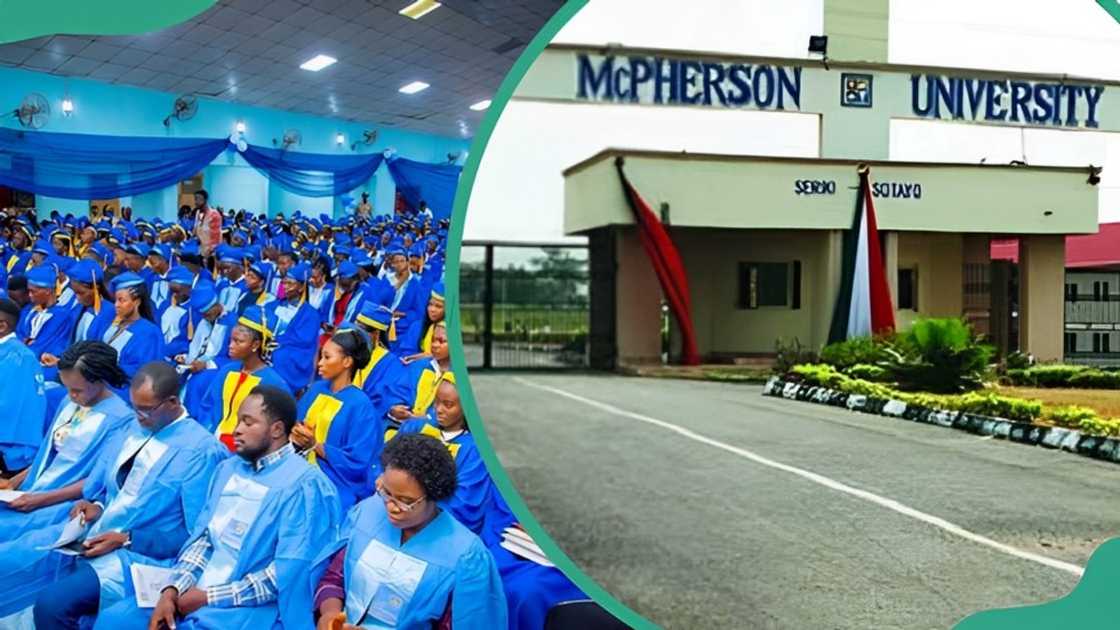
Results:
<point x="1106" y="402"/>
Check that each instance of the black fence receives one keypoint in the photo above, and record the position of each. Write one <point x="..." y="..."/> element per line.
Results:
<point x="524" y="305"/>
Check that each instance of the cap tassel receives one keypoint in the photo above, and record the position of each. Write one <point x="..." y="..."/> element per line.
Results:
<point x="190" y="324"/>
<point x="392" y="329"/>
<point x="96" y="293"/>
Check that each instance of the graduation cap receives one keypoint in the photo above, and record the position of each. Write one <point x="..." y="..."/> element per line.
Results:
<point x="417" y="250"/>
<point x="347" y="269"/>
<point x="261" y="268"/>
<point x="375" y="316"/>
<point x="138" y="248"/>
<point x="343" y="250"/>
<point x="203" y="298"/>
<point x="99" y="250"/>
<point x="126" y="280"/>
<point x="44" y="247"/>
<point x="180" y="275"/>
<point x="230" y="255"/>
<point x="361" y="258"/>
<point x="437" y="292"/>
<point x="87" y="272"/>
<point x="42" y="277"/>
<point x="301" y="273"/>
<point x="162" y="250"/>
<point x="396" y="248"/>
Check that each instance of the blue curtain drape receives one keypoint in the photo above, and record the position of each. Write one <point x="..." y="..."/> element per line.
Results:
<point x="82" y="166"/>
<point x="313" y="174"/>
<point x="434" y="183"/>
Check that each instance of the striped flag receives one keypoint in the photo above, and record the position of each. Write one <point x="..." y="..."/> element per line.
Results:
<point x="864" y="306"/>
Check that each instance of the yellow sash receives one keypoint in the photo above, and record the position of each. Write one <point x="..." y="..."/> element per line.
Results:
<point x="319" y="418"/>
<point x="426" y="343"/>
<point x="361" y="375"/>
<point x="425" y="392"/>
<point x="434" y="432"/>
<point x="232" y="397"/>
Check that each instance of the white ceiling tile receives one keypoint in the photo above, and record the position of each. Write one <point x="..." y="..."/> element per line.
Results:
<point x="279" y="32"/>
<point x="202" y="34"/>
<point x="228" y="40"/>
<point x="208" y="54"/>
<point x="226" y="18"/>
<point x="36" y="42"/>
<point x="151" y="42"/>
<point x="45" y="60"/>
<point x="279" y="9"/>
<point x="108" y="72"/>
<point x="137" y="76"/>
<point x="68" y="44"/>
<point x="168" y="65"/>
<point x="162" y="81"/>
<point x="131" y="57"/>
<point x="78" y="66"/>
<point x="15" y="53"/>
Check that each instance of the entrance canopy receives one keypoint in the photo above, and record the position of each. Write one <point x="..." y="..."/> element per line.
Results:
<point x="1091" y="251"/>
<point x="757" y="192"/>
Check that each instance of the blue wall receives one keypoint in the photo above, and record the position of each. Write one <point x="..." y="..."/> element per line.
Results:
<point x="101" y="108"/>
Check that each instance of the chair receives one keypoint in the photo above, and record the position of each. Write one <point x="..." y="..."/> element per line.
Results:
<point x="581" y="614"/>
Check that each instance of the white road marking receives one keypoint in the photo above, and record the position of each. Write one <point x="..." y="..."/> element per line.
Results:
<point x="827" y="482"/>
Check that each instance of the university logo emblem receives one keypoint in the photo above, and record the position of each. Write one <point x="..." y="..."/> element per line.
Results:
<point x="855" y="90"/>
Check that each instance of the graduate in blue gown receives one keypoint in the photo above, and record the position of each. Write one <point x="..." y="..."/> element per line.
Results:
<point x="338" y="429"/>
<point x="95" y="310"/>
<point x="231" y="286"/>
<point x="417" y="339"/>
<point x="133" y="333"/>
<point x="412" y="395"/>
<point x="384" y="369"/>
<point x="400" y="290"/>
<point x="256" y="281"/>
<point x="250" y="348"/>
<point x="47" y="326"/>
<point x="473" y="492"/>
<point x="209" y="349"/>
<point x="267" y="516"/>
<point x="440" y="569"/>
<point x="79" y="437"/>
<point x="159" y="286"/>
<point x="141" y="501"/>
<point x="21" y="396"/>
<point x="320" y="293"/>
<point x="297" y="331"/>
<point x="177" y="321"/>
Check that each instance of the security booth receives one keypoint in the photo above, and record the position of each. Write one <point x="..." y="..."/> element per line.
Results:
<point x="760" y="239"/>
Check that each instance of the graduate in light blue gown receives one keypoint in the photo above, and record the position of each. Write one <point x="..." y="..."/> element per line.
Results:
<point x="473" y="492"/>
<point x="231" y="286"/>
<point x="133" y="333"/>
<point x="267" y="516"/>
<point x="297" y="330"/>
<point x="21" y="395"/>
<point x="177" y="321"/>
<point x="339" y="430"/>
<point x="250" y="348"/>
<point x="95" y="311"/>
<point x="402" y="562"/>
<point x="77" y="440"/>
<point x="159" y="286"/>
<point x="320" y="293"/>
<point x="209" y="349"/>
<point x="400" y="290"/>
<point x="47" y="326"/>
<point x="384" y="369"/>
<point x="141" y="502"/>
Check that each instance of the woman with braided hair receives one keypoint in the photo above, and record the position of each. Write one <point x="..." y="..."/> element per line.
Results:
<point x="250" y="348"/>
<point x="74" y="442"/>
<point x="133" y="333"/>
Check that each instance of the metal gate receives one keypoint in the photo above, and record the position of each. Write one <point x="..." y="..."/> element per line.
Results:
<point x="524" y="305"/>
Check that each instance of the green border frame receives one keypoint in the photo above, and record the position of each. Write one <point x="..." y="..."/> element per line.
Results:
<point x="28" y="19"/>
<point x="458" y="358"/>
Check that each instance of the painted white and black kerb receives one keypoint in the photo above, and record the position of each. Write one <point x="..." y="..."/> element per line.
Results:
<point x="1104" y="448"/>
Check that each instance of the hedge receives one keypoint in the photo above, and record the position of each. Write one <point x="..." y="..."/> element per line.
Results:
<point x="1073" y="376"/>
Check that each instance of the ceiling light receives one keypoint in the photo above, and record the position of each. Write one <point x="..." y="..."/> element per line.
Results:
<point x="419" y="9"/>
<point x="67" y="106"/>
<point x="240" y="127"/>
<point x="317" y="63"/>
<point x="414" y="87"/>
<point x="481" y="105"/>
<point x="340" y="139"/>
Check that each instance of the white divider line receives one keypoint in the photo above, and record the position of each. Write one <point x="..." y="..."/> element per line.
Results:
<point x="827" y="482"/>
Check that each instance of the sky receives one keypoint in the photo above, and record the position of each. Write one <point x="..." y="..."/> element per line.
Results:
<point x="518" y="194"/>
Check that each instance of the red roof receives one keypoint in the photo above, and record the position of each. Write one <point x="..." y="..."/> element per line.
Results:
<point x="1090" y="250"/>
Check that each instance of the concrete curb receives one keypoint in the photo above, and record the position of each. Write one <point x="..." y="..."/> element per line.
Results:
<point x="1103" y="448"/>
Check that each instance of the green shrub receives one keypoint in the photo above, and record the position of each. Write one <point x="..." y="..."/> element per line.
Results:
<point x="940" y="355"/>
<point x="1071" y="416"/>
<point x="1017" y="360"/>
<point x="1059" y="375"/>
<point x="868" y="372"/>
<point x="1095" y="379"/>
<point x="1100" y="427"/>
<point x="861" y="350"/>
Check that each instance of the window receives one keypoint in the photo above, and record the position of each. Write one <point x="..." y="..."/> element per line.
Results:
<point x="1097" y="342"/>
<point x="1105" y="338"/>
<point x="1097" y="291"/>
<point x="1070" y="342"/>
<point x="908" y="289"/>
<point x="1071" y="292"/>
<point x="770" y="284"/>
<point x="1104" y="293"/>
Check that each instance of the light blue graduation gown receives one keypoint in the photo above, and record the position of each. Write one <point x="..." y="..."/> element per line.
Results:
<point x="286" y="514"/>
<point x="89" y="325"/>
<point x="157" y="503"/>
<point x="440" y="563"/>
<point x="322" y="300"/>
<point x="23" y="569"/>
<point x="472" y="497"/>
<point x="351" y="434"/>
<point x="140" y="343"/>
<point x="49" y="332"/>
<point x="229" y="293"/>
<point x="211" y="346"/>
<point x="23" y="401"/>
<point x="297" y="338"/>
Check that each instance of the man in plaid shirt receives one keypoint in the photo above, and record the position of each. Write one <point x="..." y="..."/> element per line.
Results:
<point x="268" y="515"/>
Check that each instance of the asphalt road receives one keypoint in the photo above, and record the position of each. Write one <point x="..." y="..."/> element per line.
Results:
<point x="693" y="535"/>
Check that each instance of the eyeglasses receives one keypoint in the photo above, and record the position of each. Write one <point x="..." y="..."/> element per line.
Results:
<point x="148" y="411"/>
<point x="388" y="498"/>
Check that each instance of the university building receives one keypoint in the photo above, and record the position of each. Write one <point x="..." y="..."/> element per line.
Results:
<point x="760" y="236"/>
